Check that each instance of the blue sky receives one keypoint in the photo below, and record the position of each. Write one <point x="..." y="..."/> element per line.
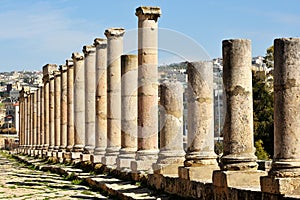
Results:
<point x="34" y="33"/>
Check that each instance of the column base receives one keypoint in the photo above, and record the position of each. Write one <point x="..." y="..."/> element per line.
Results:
<point x="49" y="153"/>
<point x="60" y="156"/>
<point x="89" y="149"/>
<point x="96" y="158"/>
<point x="198" y="173"/>
<point x="246" y="178"/>
<point x="281" y="186"/>
<point x="236" y="163"/>
<point x="145" y="160"/>
<point x="168" y="162"/>
<point x="124" y="163"/>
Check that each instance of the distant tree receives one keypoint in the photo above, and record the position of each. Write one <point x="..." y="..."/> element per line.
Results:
<point x="263" y="107"/>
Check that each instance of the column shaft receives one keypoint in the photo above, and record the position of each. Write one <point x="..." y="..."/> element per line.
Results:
<point x="38" y="118"/>
<point x="79" y="106"/>
<point x="239" y="150"/>
<point x="101" y="98"/>
<point x="42" y="119"/>
<point x="114" y="52"/>
<point x="90" y="96"/>
<point x="64" y="107"/>
<point x="70" y="109"/>
<point x="57" y="109"/>
<point x="51" y="114"/>
<point x="129" y="66"/>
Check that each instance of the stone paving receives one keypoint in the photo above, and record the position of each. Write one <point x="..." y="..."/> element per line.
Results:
<point x="20" y="182"/>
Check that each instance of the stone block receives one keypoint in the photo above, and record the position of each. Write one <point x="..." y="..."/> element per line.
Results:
<point x="246" y="178"/>
<point x="166" y="169"/>
<point x="282" y="186"/>
<point x="85" y="157"/>
<point x="96" y="158"/>
<point x="142" y="165"/>
<point x="75" y="155"/>
<point x="124" y="163"/>
<point x="109" y="160"/>
<point x="199" y="173"/>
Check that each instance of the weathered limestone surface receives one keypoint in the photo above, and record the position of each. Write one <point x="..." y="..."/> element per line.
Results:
<point x="42" y="121"/>
<point x="63" y="109"/>
<point x="200" y="158"/>
<point x="57" y="109"/>
<point x="38" y="118"/>
<point x="114" y="52"/>
<point x="284" y="176"/>
<point x="70" y="105"/>
<point x="129" y="125"/>
<point x="32" y="120"/>
<point x="171" y="154"/>
<point x="101" y="100"/>
<point x="90" y="93"/>
<point x="79" y="106"/>
<point x="148" y="88"/>
<point x="35" y="120"/>
<point x="238" y="127"/>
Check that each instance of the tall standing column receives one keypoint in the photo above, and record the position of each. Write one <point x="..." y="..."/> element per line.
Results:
<point x="64" y="107"/>
<point x="129" y="125"/>
<point x="200" y="157"/>
<point x="114" y="52"/>
<point x="57" y="108"/>
<point x="90" y="96"/>
<point x="47" y="73"/>
<point x="51" y="113"/>
<point x="32" y="120"/>
<point x="171" y="154"/>
<point x="42" y="121"/>
<point x="70" y="109"/>
<point x="38" y="117"/>
<point x="284" y="176"/>
<point x="22" y="118"/>
<point x="27" y="133"/>
<point x="79" y="106"/>
<point x="148" y="88"/>
<point x="101" y="100"/>
<point x="238" y="160"/>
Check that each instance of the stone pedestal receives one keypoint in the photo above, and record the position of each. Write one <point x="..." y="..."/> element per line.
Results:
<point x="171" y="154"/>
<point x="129" y="125"/>
<point x="200" y="160"/>
<point x="90" y="93"/>
<point x="79" y="103"/>
<point x="101" y="100"/>
<point x="148" y="88"/>
<point x="85" y="157"/>
<point x="284" y="176"/>
<point x="114" y="52"/>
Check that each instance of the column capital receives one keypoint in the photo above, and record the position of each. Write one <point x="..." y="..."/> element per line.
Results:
<point x="87" y="49"/>
<point x="114" y="32"/>
<point x="63" y="68"/>
<point x="77" y="56"/>
<point x="148" y="12"/>
<point x="56" y="73"/>
<point x="69" y="63"/>
<point x="48" y="71"/>
<point x="100" y="42"/>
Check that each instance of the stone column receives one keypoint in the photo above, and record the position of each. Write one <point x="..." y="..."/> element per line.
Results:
<point x="38" y="118"/>
<point x="57" y="108"/>
<point x="129" y="66"/>
<point x="238" y="163"/>
<point x="27" y="128"/>
<point x="90" y="97"/>
<point x="114" y="52"/>
<point x="51" y="114"/>
<point x="32" y="120"/>
<point x="171" y="154"/>
<point x="47" y="73"/>
<point x="63" y="110"/>
<point x="101" y="100"/>
<point x="200" y="160"/>
<point x="284" y="176"/>
<point x="22" y="118"/>
<point x="42" y="121"/>
<point x="148" y="88"/>
<point x="79" y="119"/>
<point x="70" y="109"/>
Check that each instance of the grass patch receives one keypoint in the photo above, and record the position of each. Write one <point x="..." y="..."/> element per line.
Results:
<point x="76" y="181"/>
<point x="69" y="177"/>
<point x="86" y="192"/>
<point x="12" y="187"/>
